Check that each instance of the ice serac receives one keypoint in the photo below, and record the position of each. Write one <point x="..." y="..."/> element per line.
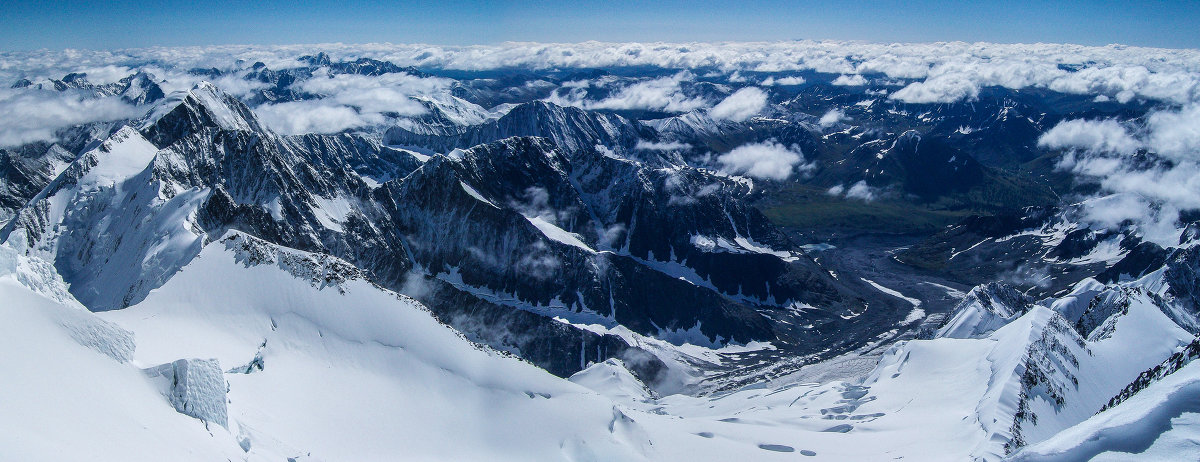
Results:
<point x="64" y="359"/>
<point x="196" y="387"/>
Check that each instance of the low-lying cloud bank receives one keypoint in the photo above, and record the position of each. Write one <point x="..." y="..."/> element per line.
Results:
<point x="1151" y="169"/>
<point x="28" y="115"/>
<point x="658" y="94"/>
<point x="350" y="101"/>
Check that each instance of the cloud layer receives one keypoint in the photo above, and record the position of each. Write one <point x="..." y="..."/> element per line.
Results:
<point x="351" y="101"/>
<point x="660" y="94"/>
<point x="28" y="115"/>
<point x="945" y="71"/>
<point x="1148" y="190"/>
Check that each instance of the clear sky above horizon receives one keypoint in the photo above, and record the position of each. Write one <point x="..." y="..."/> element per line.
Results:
<point x="126" y="24"/>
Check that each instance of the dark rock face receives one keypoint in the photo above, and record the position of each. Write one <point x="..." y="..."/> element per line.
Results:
<point x="1042" y="249"/>
<point x="930" y="168"/>
<point x="1182" y="274"/>
<point x="1141" y="259"/>
<point x="25" y="170"/>
<point x="993" y="293"/>
<point x="508" y="234"/>
<point x="630" y="243"/>
<point x="197" y="112"/>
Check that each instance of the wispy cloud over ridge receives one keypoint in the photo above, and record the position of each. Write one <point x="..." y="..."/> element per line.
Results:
<point x="35" y="115"/>
<point x="1151" y="170"/>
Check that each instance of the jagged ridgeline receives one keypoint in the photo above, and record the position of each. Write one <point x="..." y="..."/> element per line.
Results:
<point x="501" y="237"/>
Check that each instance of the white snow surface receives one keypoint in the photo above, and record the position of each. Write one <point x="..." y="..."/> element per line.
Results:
<point x="612" y="379"/>
<point x="69" y="397"/>
<point x="894" y="293"/>
<point x="355" y="372"/>
<point x="476" y="195"/>
<point x="350" y="371"/>
<point x="1161" y="423"/>
<point x="111" y="191"/>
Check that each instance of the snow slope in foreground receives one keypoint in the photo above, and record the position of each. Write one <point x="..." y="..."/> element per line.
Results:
<point x="350" y="371"/>
<point x="68" y="390"/>
<point x="322" y="365"/>
<point x="1160" y="423"/>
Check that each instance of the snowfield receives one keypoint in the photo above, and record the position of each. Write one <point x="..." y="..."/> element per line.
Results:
<point x="320" y="364"/>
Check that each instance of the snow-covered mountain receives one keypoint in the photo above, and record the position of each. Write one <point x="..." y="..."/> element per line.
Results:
<point x="338" y="256"/>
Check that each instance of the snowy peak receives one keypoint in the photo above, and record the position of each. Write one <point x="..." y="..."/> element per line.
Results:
<point x="985" y="309"/>
<point x="613" y="379"/>
<point x="141" y="89"/>
<point x="203" y="107"/>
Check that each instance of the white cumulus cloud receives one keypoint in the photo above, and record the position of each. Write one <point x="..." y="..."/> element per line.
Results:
<point x="741" y="105"/>
<point x="854" y="80"/>
<point x="790" y="80"/>
<point x="299" y="117"/>
<point x="1149" y="194"/>
<point x="831" y="118"/>
<point x="861" y="191"/>
<point x="660" y="94"/>
<point x="945" y="70"/>
<point x="1097" y="135"/>
<point x="28" y="115"/>
<point x="643" y="145"/>
<point x="944" y="89"/>
<point x="769" y="160"/>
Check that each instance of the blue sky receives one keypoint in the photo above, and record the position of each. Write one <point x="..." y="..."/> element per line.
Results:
<point x="119" y="24"/>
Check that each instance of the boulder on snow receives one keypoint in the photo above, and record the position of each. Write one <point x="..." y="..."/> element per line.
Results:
<point x="195" y="387"/>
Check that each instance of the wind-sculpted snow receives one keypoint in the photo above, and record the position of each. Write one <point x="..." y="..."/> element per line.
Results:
<point x="1159" y="423"/>
<point x="94" y="406"/>
<point x="364" y="358"/>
